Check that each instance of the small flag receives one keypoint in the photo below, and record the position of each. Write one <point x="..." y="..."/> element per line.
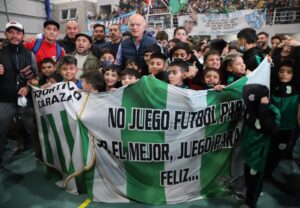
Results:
<point x="176" y="5"/>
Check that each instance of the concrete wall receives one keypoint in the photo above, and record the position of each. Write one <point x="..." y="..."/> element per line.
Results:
<point x="30" y="13"/>
<point x="82" y="8"/>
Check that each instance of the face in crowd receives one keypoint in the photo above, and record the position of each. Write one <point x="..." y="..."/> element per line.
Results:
<point x="50" y="33"/>
<point x="99" y="33"/>
<point x="72" y="28"/>
<point x="115" y="33"/>
<point x="137" y="26"/>
<point x="14" y="36"/>
<point x="82" y="44"/>
<point x="181" y="35"/>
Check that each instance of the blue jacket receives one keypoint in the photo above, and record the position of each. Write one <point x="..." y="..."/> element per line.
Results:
<point x="129" y="51"/>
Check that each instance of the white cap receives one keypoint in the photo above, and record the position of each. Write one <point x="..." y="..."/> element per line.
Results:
<point x="15" y="25"/>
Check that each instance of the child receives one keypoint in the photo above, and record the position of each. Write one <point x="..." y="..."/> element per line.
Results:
<point x="212" y="79"/>
<point x="234" y="67"/>
<point x="107" y="57"/>
<point x="92" y="82"/>
<point x="261" y="122"/>
<point x="157" y="66"/>
<point x="129" y="76"/>
<point x="111" y="77"/>
<point x="51" y="80"/>
<point x="67" y="68"/>
<point x="286" y="98"/>
<point x="162" y="39"/>
<point x="212" y="59"/>
<point x="181" y="34"/>
<point x="133" y="64"/>
<point x="149" y="51"/>
<point x="183" y="51"/>
<point x="177" y="73"/>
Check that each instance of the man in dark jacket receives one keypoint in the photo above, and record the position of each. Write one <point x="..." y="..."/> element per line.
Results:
<point x="68" y="42"/>
<point x="17" y="65"/>
<point x="247" y="45"/>
<point x="134" y="47"/>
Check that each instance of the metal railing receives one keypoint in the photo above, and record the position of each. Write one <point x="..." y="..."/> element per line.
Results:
<point x="283" y="16"/>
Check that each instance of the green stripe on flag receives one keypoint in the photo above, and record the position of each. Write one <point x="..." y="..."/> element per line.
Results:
<point x="88" y="175"/>
<point x="215" y="166"/>
<point x="70" y="140"/>
<point x="151" y="94"/>
<point x="48" y="151"/>
<point x="58" y="143"/>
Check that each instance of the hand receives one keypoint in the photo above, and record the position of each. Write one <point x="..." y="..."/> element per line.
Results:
<point x="192" y="71"/>
<point x="219" y="87"/>
<point x="292" y="42"/>
<point x="1" y="69"/>
<point x="29" y="39"/>
<point x="23" y="91"/>
<point x="34" y="82"/>
<point x="264" y="100"/>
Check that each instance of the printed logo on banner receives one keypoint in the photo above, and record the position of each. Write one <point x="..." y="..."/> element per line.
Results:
<point x="256" y="19"/>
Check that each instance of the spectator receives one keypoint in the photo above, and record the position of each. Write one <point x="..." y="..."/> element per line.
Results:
<point x="68" y="42"/>
<point x="86" y="61"/>
<point x="136" y="45"/>
<point x="17" y="67"/>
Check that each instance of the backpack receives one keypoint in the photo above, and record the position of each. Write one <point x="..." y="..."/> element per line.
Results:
<point x="38" y="44"/>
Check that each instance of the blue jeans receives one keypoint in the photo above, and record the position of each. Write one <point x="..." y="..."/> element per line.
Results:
<point x="7" y="113"/>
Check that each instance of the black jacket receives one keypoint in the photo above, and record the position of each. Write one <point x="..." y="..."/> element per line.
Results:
<point x="252" y="58"/>
<point x="14" y="58"/>
<point x="67" y="44"/>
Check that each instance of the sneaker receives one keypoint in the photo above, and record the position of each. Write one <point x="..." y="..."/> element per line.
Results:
<point x="240" y="196"/>
<point x="244" y="206"/>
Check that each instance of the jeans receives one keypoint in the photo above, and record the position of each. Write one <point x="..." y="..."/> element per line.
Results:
<point x="7" y="113"/>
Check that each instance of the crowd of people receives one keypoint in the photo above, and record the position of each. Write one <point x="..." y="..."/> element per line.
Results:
<point x="202" y="6"/>
<point x="97" y="64"/>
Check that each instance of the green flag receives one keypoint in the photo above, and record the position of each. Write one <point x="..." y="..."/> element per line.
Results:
<point x="176" y="5"/>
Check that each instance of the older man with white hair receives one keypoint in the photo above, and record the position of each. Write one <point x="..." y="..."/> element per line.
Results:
<point x="134" y="47"/>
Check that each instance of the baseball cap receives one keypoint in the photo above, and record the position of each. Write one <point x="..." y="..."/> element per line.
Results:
<point x="15" y="25"/>
<point x="85" y="35"/>
<point x="51" y="22"/>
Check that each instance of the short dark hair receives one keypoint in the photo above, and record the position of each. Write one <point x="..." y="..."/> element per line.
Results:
<point x="115" y="24"/>
<point x="288" y="63"/>
<point x="218" y="44"/>
<point x="132" y="72"/>
<point x="209" y="53"/>
<point x="208" y="69"/>
<point x="162" y="35"/>
<point x="133" y="61"/>
<point x="263" y="33"/>
<point x="179" y="28"/>
<point x="183" y="66"/>
<point x="107" y="50"/>
<point x="47" y="60"/>
<point x="183" y="46"/>
<point x="279" y="37"/>
<point x="248" y="34"/>
<point x="67" y="60"/>
<point x="113" y="68"/>
<point x="158" y="55"/>
<point x="174" y="40"/>
<point x="95" y="78"/>
<point x="152" y="48"/>
<point x="99" y="25"/>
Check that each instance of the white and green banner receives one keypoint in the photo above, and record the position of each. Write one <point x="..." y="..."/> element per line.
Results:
<point x="154" y="143"/>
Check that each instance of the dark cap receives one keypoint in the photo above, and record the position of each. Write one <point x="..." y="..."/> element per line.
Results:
<point x="85" y="35"/>
<point x="252" y="94"/>
<point x="51" y="22"/>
